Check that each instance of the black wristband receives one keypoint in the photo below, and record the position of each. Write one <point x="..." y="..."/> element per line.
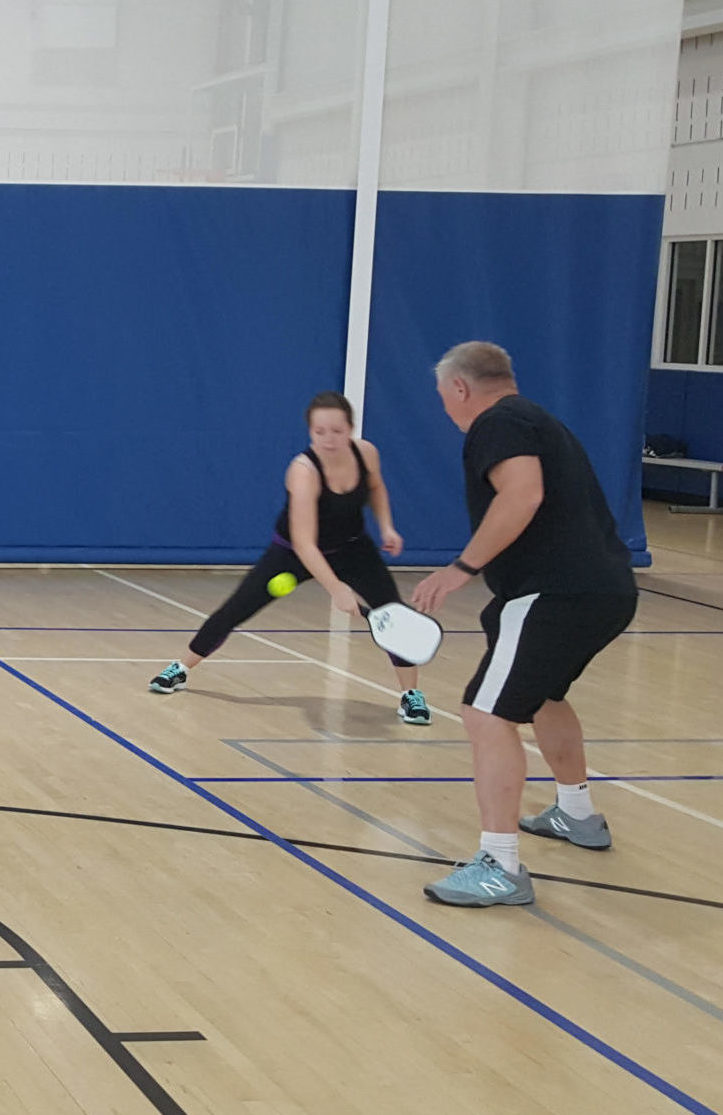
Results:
<point x="469" y="569"/>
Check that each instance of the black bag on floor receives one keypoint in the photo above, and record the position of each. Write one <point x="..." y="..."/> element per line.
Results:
<point x="663" y="445"/>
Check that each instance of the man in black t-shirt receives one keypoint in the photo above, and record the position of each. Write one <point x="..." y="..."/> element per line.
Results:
<point x="563" y="589"/>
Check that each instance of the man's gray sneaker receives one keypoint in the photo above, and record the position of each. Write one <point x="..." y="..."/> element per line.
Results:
<point x="593" y="832"/>
<point x="482" y="882"/>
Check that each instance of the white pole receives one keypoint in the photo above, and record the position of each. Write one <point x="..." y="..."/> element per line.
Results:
<point x="370" y="141"/>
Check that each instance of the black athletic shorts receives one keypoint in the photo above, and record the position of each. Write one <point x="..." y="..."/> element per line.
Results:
<point x="538" y="645"/>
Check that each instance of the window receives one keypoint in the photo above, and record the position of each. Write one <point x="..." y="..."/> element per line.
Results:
<point x="689" y="331"/>
<point x="685" y="302"/>
<point x="715" y="342"/>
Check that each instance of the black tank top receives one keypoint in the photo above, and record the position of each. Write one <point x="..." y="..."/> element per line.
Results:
<point x="341" y="515"/>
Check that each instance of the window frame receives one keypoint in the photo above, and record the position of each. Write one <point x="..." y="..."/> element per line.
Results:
<point x="662" y="305"/>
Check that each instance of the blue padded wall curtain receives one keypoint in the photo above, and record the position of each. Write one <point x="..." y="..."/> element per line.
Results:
<point x="566" y="283"/>
<point x="159" y="346"/>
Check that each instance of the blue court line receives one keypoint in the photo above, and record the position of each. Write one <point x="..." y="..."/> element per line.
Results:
<point x="399" y="778"/>
<point x="150" y="630"/>
<point x="193" y="630"/>
<point x="615" y="1056"/>
<point x="659" y="739"/>
<point x="329" y="739"/>
<point x="294" y="631"/>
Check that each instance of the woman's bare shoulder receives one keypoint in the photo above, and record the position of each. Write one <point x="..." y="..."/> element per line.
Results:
<point x="301" y="472"/>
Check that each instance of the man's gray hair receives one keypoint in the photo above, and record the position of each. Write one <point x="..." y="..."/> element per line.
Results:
<point x="478" y="361"/>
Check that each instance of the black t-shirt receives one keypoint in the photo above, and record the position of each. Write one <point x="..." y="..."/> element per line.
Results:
<point x="571" y="545"/>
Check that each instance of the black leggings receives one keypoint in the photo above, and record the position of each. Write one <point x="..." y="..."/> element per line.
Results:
<point x="358" y="563"/>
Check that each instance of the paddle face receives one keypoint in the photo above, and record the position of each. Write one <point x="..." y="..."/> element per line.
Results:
<point x="402" y="631"/>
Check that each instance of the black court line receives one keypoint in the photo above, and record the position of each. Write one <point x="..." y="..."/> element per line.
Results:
<point x="322" y="845"/>
<point x="630" y="890"/>
<point x="161" y="1035"/>
<point x="111" y="1042"/>
<point x="683" y="599"/>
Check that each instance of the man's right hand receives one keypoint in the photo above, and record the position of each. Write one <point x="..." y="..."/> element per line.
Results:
<point x="429" y="594"/>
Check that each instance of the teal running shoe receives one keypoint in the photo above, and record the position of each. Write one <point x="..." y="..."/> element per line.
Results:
<point x="482" y="882"/>
<point x="592" y="833"/>
<point x="173" y="677"/>
<point x="413" y="708"/>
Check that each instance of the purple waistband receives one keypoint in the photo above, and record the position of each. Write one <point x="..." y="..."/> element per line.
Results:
<point x="286" y="544"/>
<point x="281" y="541"/>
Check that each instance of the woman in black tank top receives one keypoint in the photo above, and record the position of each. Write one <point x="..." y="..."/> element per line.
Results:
<point x="319" y="534"/>
<point x="340" y="515"/>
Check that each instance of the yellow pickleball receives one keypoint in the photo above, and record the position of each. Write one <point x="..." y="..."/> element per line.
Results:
<point x="282" y="584"/>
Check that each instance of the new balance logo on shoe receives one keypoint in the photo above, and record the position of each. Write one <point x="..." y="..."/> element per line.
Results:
<point x="494" y="886"/>
<point x="559" y="825"/>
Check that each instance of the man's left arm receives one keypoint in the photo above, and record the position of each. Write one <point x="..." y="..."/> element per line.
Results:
<point x="519" y="491"/>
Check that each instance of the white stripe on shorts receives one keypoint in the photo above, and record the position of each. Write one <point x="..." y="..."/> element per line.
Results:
<point x="512" y="617"/>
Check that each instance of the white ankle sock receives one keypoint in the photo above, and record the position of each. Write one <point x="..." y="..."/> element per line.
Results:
<point x="504" y="846"/>
<point x="575" y="800"/>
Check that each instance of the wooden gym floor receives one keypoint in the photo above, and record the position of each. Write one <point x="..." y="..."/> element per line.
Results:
<point x="212" y="902"/>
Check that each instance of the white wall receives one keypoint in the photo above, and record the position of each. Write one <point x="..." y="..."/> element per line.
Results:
<point x="97" y="90"/>
<point x="180" y="90"/>
<point x="694" y="202"/>
<point x="561" y="95"/>
<point x="480" y="94"/>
